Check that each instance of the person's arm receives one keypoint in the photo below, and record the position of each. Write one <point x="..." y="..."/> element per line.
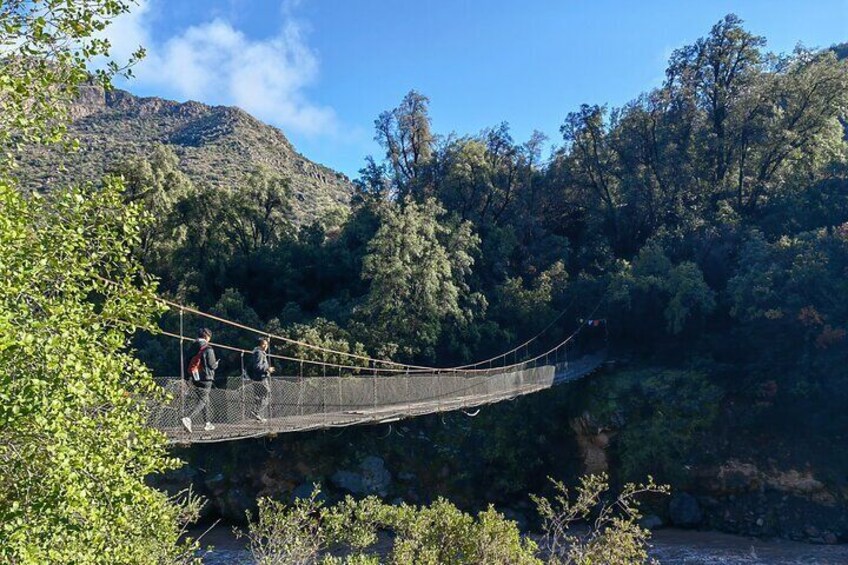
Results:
<point x="263" y="366"/>
<point x="211" y="362"/>
<point x="260" y="362"/>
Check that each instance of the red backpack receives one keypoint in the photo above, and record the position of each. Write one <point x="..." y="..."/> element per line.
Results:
<point x="195" y="365"/>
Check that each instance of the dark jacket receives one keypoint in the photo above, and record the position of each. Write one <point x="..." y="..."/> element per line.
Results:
<point x="209" y="361"/>
<point x="260" y="368"/>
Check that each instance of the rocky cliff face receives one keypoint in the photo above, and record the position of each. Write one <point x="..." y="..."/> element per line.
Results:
<point x="761" y="499"/>
<point x="217" y="145"/>
<point x="752" y="491"/>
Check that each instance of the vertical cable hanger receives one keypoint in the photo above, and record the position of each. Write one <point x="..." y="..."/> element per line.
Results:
<point x="182" y="347"/>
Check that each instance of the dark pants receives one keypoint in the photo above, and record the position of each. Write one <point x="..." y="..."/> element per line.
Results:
<point x="202" y="405"/>
<point x="262" y="389"/>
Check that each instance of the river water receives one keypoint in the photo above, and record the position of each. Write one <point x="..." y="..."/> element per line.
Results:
<point x="669" y="546"/>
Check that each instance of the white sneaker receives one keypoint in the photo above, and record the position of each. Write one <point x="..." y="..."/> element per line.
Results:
<point x="208" y="427"/>
<point x="187" y="424"/>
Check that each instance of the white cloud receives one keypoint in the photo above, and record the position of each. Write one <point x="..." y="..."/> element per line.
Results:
<point x="215" y="63"/>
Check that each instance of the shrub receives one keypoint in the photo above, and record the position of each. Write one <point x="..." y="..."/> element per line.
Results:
<point x="614" y="536"/>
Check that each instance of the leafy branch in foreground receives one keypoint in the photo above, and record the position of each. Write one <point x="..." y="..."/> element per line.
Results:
<point x="75" y="447"/>
<point x="46" y="47"/>
<point x="614" y="536"/>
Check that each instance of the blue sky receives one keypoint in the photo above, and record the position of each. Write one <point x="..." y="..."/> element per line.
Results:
<point x="322" y="70"/>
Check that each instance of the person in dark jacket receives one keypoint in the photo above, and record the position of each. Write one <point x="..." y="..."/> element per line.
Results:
<point x="260" y="370"/>
<point x="203" y="386"/>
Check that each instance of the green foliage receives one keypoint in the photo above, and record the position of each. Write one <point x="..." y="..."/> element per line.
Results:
<point x="654" y="280"/>
<point x="75" y="447"/>
<point x="486" y="177"/>
<point x="529" y="307"/>
<point x="439" y="534"/>
<point x="442" y="534"/>
<point x="417" y="265"/>
<point x="776" y="279"/>
<point x="761" y="114"/>
<point x="282" y="535"/>
<point x="157" y="184"/>
<point x="614" y="536"/>
<point x="664" y="417"/>
<point x="259" y="214"/>
<point x="404" y="133"/>
<point x="303" y="532"/>
<point x="46" y="47"/>
<point x="326" y="334"/>
<point x="785" y="296"/>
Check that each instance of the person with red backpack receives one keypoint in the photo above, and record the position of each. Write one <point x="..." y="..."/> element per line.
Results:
<point x="201" y="371"/>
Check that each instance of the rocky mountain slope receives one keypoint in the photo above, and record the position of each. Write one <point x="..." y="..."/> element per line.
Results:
<point x="217" y="145"/>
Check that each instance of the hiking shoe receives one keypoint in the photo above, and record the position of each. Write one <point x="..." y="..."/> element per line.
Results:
<point x="187" y="424"/>
<point x="208" y="427"/>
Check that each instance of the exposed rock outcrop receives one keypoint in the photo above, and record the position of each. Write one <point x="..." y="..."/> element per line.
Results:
<point x="684" y="510"/>
<point x="217" y="145"/>
<point x="593" y="441"/>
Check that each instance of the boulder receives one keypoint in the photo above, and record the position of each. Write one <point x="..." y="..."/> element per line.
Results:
<point x="349" y="481"/>
<point x="684" y="510"/>
<point x="235" y="503"/>
<point x="376" y="479"/>
<point x="651" y="522"/>
<point x="372" y="478"/>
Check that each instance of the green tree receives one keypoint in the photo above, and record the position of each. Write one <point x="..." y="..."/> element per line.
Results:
<point x="593" y="165"/>
<point x="46" y="48"/>
<point x="417" y="265"/>
<point x="483" y="178"/>
<point x="258" y="215"/>
<point x="757" y="116"/>
<point x="405" y="134"/>
<point x="157" y="184"/>
<point x="653" y="281"/>
<point x="75" y="447"/>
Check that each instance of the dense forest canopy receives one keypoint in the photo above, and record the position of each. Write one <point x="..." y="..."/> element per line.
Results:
<point x="708" y="215"/>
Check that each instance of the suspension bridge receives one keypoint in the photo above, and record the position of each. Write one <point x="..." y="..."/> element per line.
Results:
<point x="321" y="394"/>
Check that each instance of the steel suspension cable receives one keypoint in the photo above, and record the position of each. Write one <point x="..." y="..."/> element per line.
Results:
<point x="519" y="346"/>
<point x="371" y="360"/>
<point x="400" y="367"/>
<point x="183" y="308"/>
<point x="297" y="359"/>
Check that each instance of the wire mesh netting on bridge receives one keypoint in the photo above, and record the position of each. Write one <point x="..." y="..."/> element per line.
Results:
<point x="325" y="387"/>
<point x="306" y="403"/>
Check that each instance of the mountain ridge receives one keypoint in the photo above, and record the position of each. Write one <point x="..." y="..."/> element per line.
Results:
<point x="216" y="145"/>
